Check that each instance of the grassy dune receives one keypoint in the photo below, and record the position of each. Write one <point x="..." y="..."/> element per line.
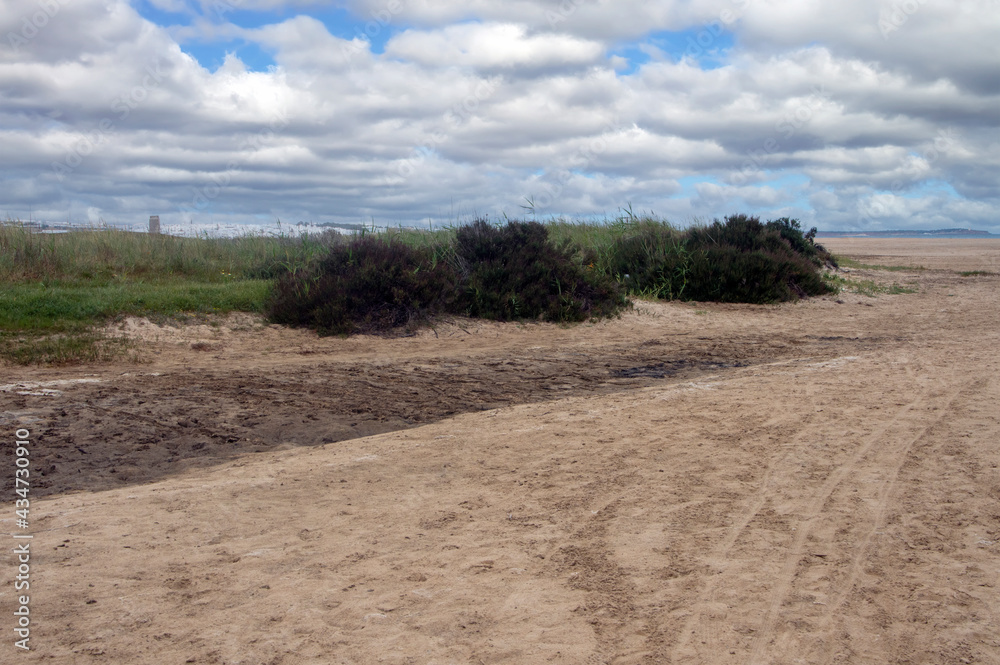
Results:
<point x="59" y="289"/>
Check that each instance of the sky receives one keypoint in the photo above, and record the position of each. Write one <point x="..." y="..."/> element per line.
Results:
<point x="850" y="115"/>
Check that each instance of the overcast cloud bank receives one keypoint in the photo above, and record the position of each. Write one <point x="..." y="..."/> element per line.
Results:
<point x="848" y="115"/>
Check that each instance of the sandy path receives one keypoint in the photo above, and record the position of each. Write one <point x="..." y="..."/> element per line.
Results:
<point x="832" y="500"/>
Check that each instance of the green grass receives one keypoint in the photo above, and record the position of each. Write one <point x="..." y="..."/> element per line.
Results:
<point x="865" y="287"/>
<point x="977" y="273"/>
<point x="895" y="289"/>
<point x="59" y="289"/>
<point x="57" y="323"/>
<point x="66" y="307"/>
<point x="108" y="253"/>
<point x="869" y="287"/>
<point x="858" y="265"/>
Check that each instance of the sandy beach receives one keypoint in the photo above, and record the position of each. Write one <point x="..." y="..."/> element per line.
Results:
<point x="696" y="483"/>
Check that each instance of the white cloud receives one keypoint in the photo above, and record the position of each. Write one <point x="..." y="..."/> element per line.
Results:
<point x="493" y="46"/>
<point x="813" y="113"/>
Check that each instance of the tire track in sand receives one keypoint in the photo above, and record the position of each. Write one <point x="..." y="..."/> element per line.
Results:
<point x="885" y="495"/>
<point x="697" y="623"/>
<point x="814" y="510"/>
<point x="743" y="519"/>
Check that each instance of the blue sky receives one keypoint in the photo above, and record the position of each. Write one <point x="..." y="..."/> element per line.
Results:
<point x="115" y="109"/>
<point x="705" y="45"/>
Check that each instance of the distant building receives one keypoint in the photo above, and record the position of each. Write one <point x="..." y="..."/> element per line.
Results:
<point x="154" y="224"/>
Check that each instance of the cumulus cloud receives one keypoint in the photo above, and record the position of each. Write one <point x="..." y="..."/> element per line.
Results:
<point x="847" y="116"/>
<point x="494" y="46"/>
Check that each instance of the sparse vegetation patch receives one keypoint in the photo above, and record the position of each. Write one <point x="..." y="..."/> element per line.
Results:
<point x="865" y="287"/>
<point x="859" y="265"/>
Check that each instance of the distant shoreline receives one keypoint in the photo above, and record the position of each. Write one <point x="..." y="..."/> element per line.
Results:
<point x="910" y="233"/>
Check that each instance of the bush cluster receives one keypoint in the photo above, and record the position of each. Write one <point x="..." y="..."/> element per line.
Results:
<point x="736" y="260"/>
<point x="377" y="283"/>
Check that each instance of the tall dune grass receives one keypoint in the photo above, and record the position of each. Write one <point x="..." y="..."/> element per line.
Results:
<point x="26" y="254"/>
<point x="56" y="288"/>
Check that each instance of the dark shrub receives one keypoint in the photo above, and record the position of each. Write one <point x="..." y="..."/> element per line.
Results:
<point x="802" y="243"/>
<point x="727" y="274"/>
<point x="368" y="285"/>
<point x="514" y="272"/>
<point x="739" y="260"/>
<point x="742" y="232"/>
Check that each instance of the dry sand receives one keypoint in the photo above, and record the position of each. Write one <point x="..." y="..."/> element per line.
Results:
<point x="815" y="482"/>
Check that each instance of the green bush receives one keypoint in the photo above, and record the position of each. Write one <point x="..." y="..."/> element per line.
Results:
<point x="515" y="272"/>
<point x="368" y="285"/>
<point x="739" y="260"/>
<point x="741" y="232"/>
<point x="728" y="274"/>
<point x="802" y="243"/>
